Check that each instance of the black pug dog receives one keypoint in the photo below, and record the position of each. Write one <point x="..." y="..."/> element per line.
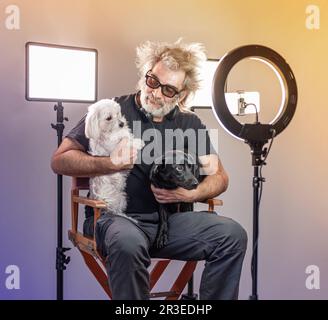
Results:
<point x="174" y="169"/>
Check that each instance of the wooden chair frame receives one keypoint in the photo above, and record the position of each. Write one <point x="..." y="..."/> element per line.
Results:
<point x="96" y="263"/>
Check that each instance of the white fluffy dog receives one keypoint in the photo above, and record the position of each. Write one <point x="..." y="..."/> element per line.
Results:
<point x="105" y="127"/>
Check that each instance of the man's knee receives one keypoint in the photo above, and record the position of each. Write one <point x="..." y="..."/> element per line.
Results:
<point x="235" y="235"/>
<point x="130" y="244"/>
<point x="130" y="247"/>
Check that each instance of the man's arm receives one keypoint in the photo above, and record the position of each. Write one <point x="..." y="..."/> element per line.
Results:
<point x="216" y="180"/>
<point x="71" y="159"/>
<point x="215" y="183"/>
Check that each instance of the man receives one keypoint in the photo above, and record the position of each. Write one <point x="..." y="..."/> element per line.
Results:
<point x="168" y="76"/>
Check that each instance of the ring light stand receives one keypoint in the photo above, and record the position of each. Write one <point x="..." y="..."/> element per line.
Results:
<point x="257" y="134"/>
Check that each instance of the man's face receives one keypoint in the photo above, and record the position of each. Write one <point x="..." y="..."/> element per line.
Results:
<point x="153" y="100"/>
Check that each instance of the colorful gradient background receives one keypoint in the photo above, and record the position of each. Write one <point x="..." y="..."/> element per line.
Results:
<point x="294" y="210"/>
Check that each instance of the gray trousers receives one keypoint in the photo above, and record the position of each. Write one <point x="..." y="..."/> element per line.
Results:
<point x="128" y="249"/>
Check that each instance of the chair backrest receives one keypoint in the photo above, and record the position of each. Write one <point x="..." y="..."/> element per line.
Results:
<point x="80" y="183"/>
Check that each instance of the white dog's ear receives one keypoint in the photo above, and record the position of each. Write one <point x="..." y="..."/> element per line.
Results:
<point x="92" y="129"/>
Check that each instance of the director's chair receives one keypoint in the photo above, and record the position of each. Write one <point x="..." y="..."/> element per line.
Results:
<point x="96" y="263"/>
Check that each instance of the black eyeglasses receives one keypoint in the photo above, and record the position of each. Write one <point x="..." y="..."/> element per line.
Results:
<point x="167" y="90"/>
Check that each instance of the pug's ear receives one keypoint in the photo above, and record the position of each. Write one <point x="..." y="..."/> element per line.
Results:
<point x="153" y="171"/>
<point x="92" y="129"/>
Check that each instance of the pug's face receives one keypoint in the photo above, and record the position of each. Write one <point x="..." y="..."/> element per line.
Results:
<point x="174" y="172"/>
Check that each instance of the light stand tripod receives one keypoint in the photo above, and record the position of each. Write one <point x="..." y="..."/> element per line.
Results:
<point x="257" y="161"/>
<point x="46" y="84"/>
<point x="61" y="259"/>
<point x="257" y="135"/>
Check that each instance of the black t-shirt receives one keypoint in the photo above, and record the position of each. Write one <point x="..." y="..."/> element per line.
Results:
<point x="171" y="133"/>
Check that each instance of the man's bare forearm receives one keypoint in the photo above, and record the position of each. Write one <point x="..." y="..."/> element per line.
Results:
<point x="211" y="187"/>
<point x="80" y="164"/>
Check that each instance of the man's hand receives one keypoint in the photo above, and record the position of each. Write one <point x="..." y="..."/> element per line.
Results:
<point x="172" y="196"/>
<point x="123" y="157"/>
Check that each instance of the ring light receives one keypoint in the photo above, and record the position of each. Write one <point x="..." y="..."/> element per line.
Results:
<point x="256" y="135"/>
<point x="257" y="131"/>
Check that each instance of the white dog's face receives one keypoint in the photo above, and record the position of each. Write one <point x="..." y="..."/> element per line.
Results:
<point x="103" y="117"/>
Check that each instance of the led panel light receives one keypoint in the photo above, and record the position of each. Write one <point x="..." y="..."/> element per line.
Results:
<point x="203" y="96"/>
<point x="60" y="73"/>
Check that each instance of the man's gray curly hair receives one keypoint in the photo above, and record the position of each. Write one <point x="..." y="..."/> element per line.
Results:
<point x="176" y="56"/>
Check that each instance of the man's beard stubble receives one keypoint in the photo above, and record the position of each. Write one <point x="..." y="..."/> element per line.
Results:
<point x="164" y="109"/>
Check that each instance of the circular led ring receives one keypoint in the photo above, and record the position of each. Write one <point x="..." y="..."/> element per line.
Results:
<point x="286" y="79"/>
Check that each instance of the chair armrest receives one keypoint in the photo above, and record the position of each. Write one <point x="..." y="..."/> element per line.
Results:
<point x="83" y="242"/>
<point x="211" y="203"/>
<point x="214" y="202"/>
<point x="90" y="202"/>
<point x="100" y="204"/>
